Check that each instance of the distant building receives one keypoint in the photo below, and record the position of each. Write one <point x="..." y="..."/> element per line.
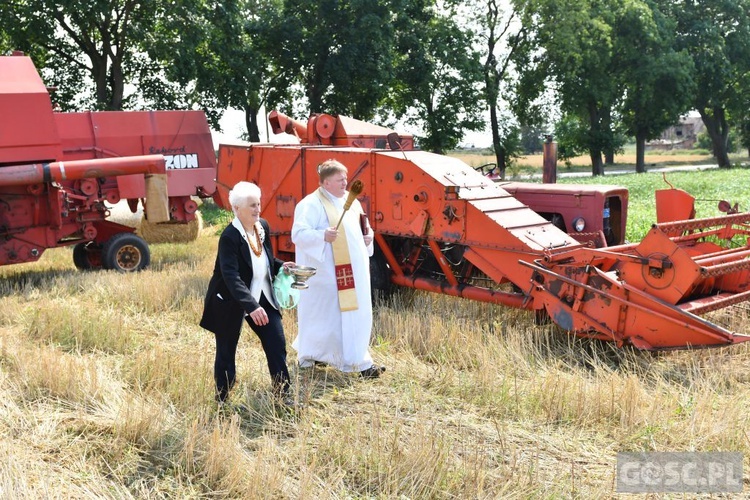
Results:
<point x="681" y="136"/>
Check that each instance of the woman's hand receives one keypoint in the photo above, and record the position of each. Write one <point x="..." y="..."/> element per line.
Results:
<point x="259" y="316"/>
<point x="288" y="266"/>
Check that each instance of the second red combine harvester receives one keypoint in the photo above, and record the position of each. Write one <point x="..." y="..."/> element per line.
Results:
<point x="61" y="172"/>
<point x="443" y="227"/>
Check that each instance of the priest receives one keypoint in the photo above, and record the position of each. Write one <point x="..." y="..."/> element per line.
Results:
<point x="331" y="234"/>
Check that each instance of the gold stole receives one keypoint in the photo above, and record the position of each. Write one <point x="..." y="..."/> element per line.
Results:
<point x="341" y="259"/>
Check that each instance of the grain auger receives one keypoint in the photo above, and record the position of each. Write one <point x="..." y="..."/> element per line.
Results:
<point x="556" y="249"/>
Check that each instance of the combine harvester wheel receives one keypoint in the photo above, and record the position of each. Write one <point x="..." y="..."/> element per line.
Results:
<point x="87" y="256"/>
<point x="125" y="252"/>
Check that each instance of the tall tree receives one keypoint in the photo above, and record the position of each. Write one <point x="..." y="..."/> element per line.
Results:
<point x="741" y="112"/>
<point x="222" y="60"/>
<point x="386" y="59"/>
<point x="575" y="50"/>
<point x="338" y="52"/>
<point x="438" y="75"/>
<point x="82" y="39"/>
<point x="502" y="35"/>
<point x="716" y="34"/>
<point x="656" y="79"/>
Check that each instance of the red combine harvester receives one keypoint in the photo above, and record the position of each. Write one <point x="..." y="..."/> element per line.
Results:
<point x="443" y="227"/>
<point x="58" y="172"/>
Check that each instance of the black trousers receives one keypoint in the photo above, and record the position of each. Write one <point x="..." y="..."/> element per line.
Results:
<point x="273" y="341"/>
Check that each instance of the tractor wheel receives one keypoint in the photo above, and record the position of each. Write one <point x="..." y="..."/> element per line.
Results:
<point x="126" y="252"/>
<point x="87" y="256"/>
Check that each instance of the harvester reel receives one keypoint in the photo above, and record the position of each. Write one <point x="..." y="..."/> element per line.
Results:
<point x="126" y="252"/>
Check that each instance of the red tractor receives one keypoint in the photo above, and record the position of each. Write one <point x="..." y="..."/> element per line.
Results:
<point x="61" y="172"/>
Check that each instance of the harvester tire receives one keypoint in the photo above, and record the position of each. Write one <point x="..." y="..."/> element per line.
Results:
<point x="87" y="256"/>
<point x="126" y="253"/>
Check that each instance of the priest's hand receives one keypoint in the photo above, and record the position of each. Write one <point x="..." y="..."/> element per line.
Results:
<point x="368" y="238"/>
<point x="330" y="234"/>
<point x="259" y="316"/>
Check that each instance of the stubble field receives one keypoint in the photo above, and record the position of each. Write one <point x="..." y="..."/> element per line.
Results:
<point x="623" y="161"/>
<point x="107" y="393"/>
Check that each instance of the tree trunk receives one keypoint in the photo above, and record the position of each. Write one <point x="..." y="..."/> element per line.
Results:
<point x="609" y="154"/>
<point x="595" y="152"/>
<point x="118" y="86"/>
<point x="718" y="130"/>
<point x="251" y="122"/>
<point x="597" y="167"/>
<point x="99" y="74"/>
<point x="496" y="145"/>
<point x="502" y="159"/>
<point x="315" y="97"/>
<point x="640" y="152"/>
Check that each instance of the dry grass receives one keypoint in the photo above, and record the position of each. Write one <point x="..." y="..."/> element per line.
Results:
<point x="652" y="158"/>
<point x="106" y="392"/>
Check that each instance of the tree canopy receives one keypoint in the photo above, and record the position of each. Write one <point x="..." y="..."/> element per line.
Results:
<point x="656" y="79"/>
<point x="437" y="80"/>
<point x="575" y="44"/>
<point x="597" y="69"/>
<point x="80" y="39"/>
<point x="716" y="35"/>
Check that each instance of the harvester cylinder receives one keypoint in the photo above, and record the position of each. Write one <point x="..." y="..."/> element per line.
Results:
<point x="21" y="175"/>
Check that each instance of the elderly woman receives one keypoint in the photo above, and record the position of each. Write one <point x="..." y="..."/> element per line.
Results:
<point x="241" y="287"/>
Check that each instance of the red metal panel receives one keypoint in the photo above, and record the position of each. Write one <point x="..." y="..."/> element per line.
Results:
<point x="27" y="130"/>
<point x="673" y="205"/>
<point x="235" y="162"/>
<point x="183" y="137"/>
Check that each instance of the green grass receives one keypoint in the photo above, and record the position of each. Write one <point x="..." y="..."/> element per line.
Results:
<point x="215" y="216"/>
<point x="708" y="187"/>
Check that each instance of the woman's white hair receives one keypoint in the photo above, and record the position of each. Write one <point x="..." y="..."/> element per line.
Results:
<point x="241" y="192"/>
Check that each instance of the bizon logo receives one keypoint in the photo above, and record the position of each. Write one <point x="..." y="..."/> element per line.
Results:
<point x="176" y="157"/>
<point x="178" y="162"/>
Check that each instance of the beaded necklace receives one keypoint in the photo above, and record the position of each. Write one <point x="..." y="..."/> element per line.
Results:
<point x="259" y="250"/>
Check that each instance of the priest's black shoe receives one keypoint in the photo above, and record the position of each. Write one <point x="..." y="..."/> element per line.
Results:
<point x="373" y="372"/>
<point x="289" y="403"/>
